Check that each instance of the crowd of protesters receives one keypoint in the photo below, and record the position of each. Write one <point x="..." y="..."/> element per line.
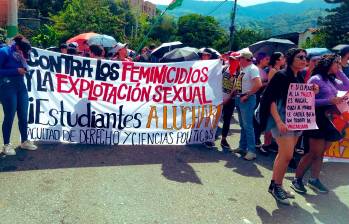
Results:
<point x="256" y="85"/>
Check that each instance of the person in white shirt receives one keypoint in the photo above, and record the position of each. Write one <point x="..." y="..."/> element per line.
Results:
<point x="248" y="83"/>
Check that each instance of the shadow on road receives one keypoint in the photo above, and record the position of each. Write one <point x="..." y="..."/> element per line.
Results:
<point x="289" y="214"/>
<point x="175" y="160"/>
<point x="333" y="175"/>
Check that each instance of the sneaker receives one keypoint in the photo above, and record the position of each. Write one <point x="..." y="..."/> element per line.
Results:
<point x="250" y="156"/>
<point x="289" y="194"/>
<point x="209" y="144"/>
<point x="262" y="151"/>
<point x="9" y="150"/>
<point x="239" y="151"/>
<point x="280" y="195"/>
<point x="298" y="186"/>
<point x="28" y="145"/>
<point x="317" y="186"/>
<point x="225" y="144"/>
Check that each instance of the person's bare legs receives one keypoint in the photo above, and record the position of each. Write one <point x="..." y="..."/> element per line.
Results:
<point x="285" y="154"/>
<point x="318" y="160"/>
<point x="316" y="147"/>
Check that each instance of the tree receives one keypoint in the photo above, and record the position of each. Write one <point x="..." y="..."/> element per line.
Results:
<point x="318" y="40"/>
<point x="245" y="37"/>
<point x="202" y="31"/>
<point x="165" y="30"/>
<point x="45" y="7"/>
<point x="122" y="9"/>
<point x="2" y="35"/>
<point x="336" y="25"/>
<point x="45" y="37"/>
<point x="79" y="16"/>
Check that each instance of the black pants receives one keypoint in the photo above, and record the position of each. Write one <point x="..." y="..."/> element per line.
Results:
<point x="228" y="110"/>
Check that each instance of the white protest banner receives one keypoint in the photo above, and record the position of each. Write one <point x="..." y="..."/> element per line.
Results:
<point x="300" y="107"/>
<point x="88" y="101"/>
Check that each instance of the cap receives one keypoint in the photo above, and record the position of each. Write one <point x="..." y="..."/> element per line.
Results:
<point x="234" y="55"/>
<point x="119" y="46"/>
<point x="245" y="53"/>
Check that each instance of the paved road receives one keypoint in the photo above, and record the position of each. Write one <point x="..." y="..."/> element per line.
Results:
<point x="96" y="184"/>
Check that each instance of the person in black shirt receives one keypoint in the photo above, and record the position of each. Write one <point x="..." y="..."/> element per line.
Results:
<point x="272" y="117"/>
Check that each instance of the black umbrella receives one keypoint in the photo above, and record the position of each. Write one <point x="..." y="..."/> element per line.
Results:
<point x="181" y="54"/>
<point x="340" y="47"/>
<point x="214" y="53"/>
<point x="271" y="45"/>
<point x="55" y="49"/>
<point x="166" y="47"/>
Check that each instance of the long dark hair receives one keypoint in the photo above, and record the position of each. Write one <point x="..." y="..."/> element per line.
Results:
<point x="291" y="54"/>
<point x="274" y="57"/>
<point x="323" y="67"/>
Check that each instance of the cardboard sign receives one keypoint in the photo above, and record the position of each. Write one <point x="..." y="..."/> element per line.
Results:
<point x="300" y="107"/>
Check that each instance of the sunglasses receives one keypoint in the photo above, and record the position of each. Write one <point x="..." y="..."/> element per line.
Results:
<point x="301" y="57"/>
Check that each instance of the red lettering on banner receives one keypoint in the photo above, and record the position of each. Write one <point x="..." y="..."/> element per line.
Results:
<point x="96" y="90"/>
<point x="163" y="74"/>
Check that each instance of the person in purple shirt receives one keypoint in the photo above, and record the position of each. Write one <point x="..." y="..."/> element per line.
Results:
<point x="13" y="92"/>
<point x="330" y="78"/>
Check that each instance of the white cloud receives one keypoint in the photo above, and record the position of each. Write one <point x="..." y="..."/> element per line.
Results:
<point x="240" y="2"/>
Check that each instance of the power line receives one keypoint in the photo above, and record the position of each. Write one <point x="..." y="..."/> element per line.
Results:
<point x="218" y="6"/>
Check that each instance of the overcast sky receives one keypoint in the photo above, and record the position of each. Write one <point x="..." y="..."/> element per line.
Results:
<point x="240" y="2"/>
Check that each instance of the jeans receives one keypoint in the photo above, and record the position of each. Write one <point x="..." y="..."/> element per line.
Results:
<point x="228" y="110"/>
<point x="14" y="98"/>
<point x="256" y="126"/>
<point x="246" y="114"/>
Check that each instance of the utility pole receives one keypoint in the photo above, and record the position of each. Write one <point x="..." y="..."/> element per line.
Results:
<point x="232" y="26"/>
<point x="12" y="18"/>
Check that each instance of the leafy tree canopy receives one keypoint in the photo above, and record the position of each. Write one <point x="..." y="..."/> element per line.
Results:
<point x="336" y="25"/>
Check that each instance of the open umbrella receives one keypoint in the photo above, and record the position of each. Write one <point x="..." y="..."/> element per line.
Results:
<point x="82" y="39"/>
<point x="271" y="45"/>
<point x="339" y="47"/>
<point x="311" y="52"/>
<point x="181" y="54"/>
<point x="102" y="40"/>
<point x="55" y="49"/>
<point x="166" y="47"/>
<point x="214" y="53"/>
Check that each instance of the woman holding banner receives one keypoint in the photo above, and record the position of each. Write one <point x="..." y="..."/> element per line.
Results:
<point x="328" y="76"/>
<point x="13" y="92"/>
<point x="272" y="117"/>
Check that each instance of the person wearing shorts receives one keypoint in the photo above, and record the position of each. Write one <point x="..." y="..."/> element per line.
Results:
<point x="329" y="77"/>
